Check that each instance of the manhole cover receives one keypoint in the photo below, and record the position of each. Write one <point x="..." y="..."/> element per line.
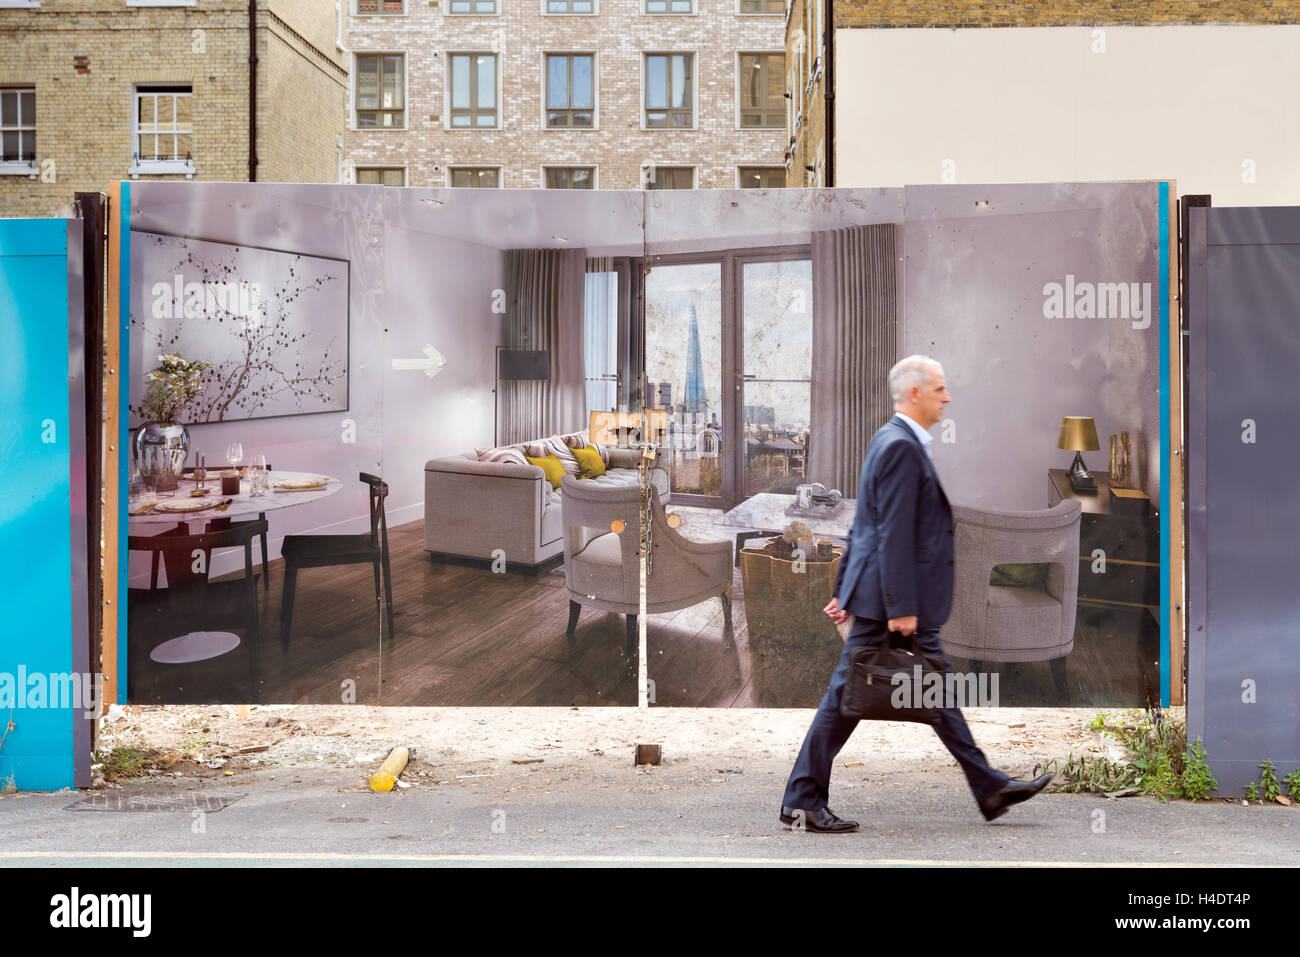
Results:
<point x="147" y="802"/>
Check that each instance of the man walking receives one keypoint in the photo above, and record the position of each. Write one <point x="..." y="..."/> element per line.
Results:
<point x="896" y="574"/>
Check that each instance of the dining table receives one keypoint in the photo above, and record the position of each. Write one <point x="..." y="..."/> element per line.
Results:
<point x="150" y="513"/>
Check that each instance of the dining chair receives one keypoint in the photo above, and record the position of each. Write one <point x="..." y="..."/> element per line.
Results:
<point x="320" y="551"/>
<point x="261" y="517"/>
<point x="192" y="601"/>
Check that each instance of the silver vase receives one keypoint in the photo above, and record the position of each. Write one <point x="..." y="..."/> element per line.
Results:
<point x="161" y="449"/>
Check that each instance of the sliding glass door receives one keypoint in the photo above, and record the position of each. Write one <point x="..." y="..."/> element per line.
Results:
<point x="684" y="371"/>
<point x="774" y="391"/>
<point x="728" y="340"/>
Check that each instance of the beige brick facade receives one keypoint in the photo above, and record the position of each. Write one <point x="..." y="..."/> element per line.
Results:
<point x="619" y="34"/>
<point x="85" y="59"/>
<point x="806" y="39"/>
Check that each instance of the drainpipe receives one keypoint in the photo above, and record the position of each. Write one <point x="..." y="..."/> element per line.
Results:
<point x="828" y="44"/>
<point x="252" y="91"/>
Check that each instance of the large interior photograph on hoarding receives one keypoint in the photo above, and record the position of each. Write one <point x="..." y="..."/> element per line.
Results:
<point x="550" y="397"/>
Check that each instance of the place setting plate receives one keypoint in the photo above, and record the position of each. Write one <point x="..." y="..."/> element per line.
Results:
<point x="186" y="505"/>
<point x="301" y="485"/>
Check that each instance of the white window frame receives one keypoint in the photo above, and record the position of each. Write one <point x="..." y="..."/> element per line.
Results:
<point x="695" y="91"/>
<point x="20" y="167"/>
<point x="20" y="4"/>
<point x="693" y="167"/>
<point x="144" y="167"/>
<point x="595" y="11"/>
<point x="356" y="12"/>
<point x="595" y="172"/>
<point x="446" y="92"/>
<point x="595" y="90"/>
<point x="161" y="3"/>
<point x="694" y="12"/>
<point x="406" y="172"/>
<point x="354" y="73"/>
<point x="735" y="72"/>
<point x="448" y="12"/>
<point x="740" y="166"/>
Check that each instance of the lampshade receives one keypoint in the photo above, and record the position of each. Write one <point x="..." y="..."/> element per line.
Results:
<point x="1078" y="434"/>
<point x="625" y="428"/>
<point x="612" y="428"/>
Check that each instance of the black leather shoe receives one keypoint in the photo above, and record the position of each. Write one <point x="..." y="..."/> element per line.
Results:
<point x="1012" y="793"/>
<point x="823" y="820"/>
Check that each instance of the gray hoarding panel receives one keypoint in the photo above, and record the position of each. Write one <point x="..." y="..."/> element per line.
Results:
<point x="1246" y="669"/>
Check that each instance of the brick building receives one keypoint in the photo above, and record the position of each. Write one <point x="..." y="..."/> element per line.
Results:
<point x="94" y="91"/>
<point x="808" y="61"/>
<point x="611" y="94"/>
<point x="940" y="91"/>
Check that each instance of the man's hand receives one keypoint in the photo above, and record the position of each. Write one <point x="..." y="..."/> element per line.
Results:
<point x="906" y="625"/>
<point x="838" y="615"/>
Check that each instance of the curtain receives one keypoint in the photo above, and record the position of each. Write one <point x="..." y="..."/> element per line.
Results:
<point x="855" y="343"/>
<point x="544" y="311"/>
<point x="601" y="349"/>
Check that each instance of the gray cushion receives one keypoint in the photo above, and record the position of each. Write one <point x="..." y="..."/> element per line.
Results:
<point x="602" y="550"/>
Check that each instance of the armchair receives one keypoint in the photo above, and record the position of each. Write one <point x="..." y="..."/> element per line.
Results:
<point x="601" y="567"/>
<point x="1006" y="623"/>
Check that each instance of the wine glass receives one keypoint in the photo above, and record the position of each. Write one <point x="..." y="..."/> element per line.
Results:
<point x="259" y="477"/>
<point x="234" y="454"/>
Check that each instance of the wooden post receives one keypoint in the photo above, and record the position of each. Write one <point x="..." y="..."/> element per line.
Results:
<point x="1175" y="551"/>
<point x="112" y="449"/>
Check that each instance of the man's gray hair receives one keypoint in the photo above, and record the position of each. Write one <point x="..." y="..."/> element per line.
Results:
<point x="914" y="370"/>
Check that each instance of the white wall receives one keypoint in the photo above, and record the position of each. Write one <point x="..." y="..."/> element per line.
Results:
<point x="1038" y="105"/>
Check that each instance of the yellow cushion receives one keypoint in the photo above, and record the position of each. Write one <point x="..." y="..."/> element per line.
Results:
<point x="550" y="467"/>
<point x="590" y="464"/>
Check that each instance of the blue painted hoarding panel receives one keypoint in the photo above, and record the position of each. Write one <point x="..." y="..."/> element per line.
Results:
<point x="35" y="518"/>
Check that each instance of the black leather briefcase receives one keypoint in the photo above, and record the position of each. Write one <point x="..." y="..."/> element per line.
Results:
<point x="890" y="683"/>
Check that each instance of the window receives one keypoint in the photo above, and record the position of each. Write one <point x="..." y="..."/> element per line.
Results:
<point x="670" y="177"/>
<point x="570" y="91"/>
<point x="476" y="176"/>
<point x="380" y="6"/>
<point x="570" y="6"/>
<point x="762" y="90"/>
<point x="164" y="130"/>
<point x="18" y="126"/>
<point x="570" y="177"/>
<point x="669" y="6"/>
<point x="669" y="93"/>
<point x="473" y="90"/>
<point x="381" y="91"/>
<point x="762" y="177"/>
<point x="765" y="6"/>
<point x="471" y="6"/>
<point x="381" y="176"/>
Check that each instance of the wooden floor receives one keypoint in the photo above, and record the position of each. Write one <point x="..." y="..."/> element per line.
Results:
<point x="468" y="637"/>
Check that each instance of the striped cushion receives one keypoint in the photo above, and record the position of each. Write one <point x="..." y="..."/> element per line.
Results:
<point x="509" y="453"/>
<point x="579" y="440"/>
<point x="556" y="446"/>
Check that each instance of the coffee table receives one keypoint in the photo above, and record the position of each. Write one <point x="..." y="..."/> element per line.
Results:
<point x="764" y="514"/>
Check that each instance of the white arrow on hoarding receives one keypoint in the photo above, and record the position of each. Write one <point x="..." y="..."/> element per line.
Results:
<point x="430" y="366"/>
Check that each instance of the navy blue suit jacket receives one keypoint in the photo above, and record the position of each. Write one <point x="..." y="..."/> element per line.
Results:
<point x="899" y="558"/>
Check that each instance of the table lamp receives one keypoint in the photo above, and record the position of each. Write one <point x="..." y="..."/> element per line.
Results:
<point x="1079" y="434"/>
<point x="614" y="428"/>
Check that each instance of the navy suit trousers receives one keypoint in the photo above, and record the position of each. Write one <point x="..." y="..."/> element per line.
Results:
<point x="809" y="783"/>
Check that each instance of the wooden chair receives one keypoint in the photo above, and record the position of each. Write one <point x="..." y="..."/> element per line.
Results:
<point x="223" y="523"/>
<point x="191" y="601"/>
<point x="320" y="551"/>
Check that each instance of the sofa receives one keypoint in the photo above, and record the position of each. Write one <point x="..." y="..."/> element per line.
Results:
<point x="490" y="510"/>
